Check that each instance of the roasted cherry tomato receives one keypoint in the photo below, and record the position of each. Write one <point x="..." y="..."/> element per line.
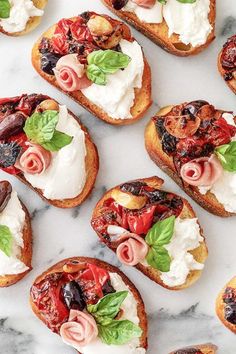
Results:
<point x="141" y="221"/>
<point x="63" y="27"/>
<point x="59" y="44"/>
<point x="80" y="32"/>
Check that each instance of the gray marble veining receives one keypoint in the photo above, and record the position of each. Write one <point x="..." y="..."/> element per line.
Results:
<point x="175" y="318"/>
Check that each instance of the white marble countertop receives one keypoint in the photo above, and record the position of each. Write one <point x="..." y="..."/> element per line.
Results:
<point x="175" y="318"/>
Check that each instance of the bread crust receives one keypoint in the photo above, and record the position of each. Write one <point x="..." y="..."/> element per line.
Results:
<point x="58" y="267"/>
<point x="200" y="254"/>
<point x="158" y="33"/>
<point x="32" y="23"/>
<point x="207" y="348"/>
<point x="162" y="160"/>
<point x="142" y="100"/>
<point x="26" y="254"/>
<point x="230" y="83"/>
<point x="220" y="305"/>
<point x="92" y="166"/>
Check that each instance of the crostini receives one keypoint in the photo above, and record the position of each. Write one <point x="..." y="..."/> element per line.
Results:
<point x="96" y="61"/>
<point x="19" y="17"/>
<point x="180" y="27"/>
<point x="227" y="63"/>
<point x="198" y="349"/>
<point x="15" y="237"/>
<point x="153" y="230"/>
<point x="226" y="305"/>
<point x="92" y="305"/>
<point x="45" y="146"/>
<point x="194" y="143"/>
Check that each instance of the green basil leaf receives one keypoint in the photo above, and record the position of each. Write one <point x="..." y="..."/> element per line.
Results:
<point x="6" y="240"/>
<point x="108" y="307"/>
<point x="5" y="8"/>
<point x="109" y="61"/>
<point x="40" y="127"/>
<point x="161" y="232"/>
<point x="227" y="156"/>
<point x="96" y="75"/>
<point x="119" y="332"/>
<point x="58" y="141"/>
<point x="163" y="2"/>
<point x="158" y="258"/>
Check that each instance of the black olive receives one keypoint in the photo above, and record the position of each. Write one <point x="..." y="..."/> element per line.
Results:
<point x="108" y="288"/>
<point x="12" y="124"/>
<point x="160" y="126"/>
<point x="49" y="61"/>
<point x="169" y="143"/>
<point x="5" y="194"/>
<point x="133" y="187"/>
<point x="230" y="312"/>
<point x="119" y="4"/>
<point x="86" y="15"/>
<point x="8" y="154"/>
<point x="228" y="76"/>
<point x="73" y="296"/>
<point x="193" y="107"/>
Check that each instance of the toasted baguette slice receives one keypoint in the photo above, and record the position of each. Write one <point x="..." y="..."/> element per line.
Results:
<point x="92" y="166"/>
<point x="165" y="162"/>
<point x="158" y="33"/>
<point x="220" y="305"/>
<point x="200" y="254"/>
<point x="224" y="73"/>
<point x="26" y="254"/>
<point x="140" y="304"/>
<point x="33" y="21"/>
<point x="203" y="348"/>
<point x="142" y="96"/>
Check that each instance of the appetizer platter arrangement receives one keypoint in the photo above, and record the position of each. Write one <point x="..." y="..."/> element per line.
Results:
<point x="117" y="177"/>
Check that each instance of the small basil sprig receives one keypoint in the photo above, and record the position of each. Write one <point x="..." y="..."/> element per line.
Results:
<point x="113" y="331"/>
<point x="164" y="2"/>
<point x="159" y="235"/>
<point x="5" y="8"/>
<point x="6" y="240"/>
<point x="40" y="128"/>
<point x="103" y="62"/>
<point x="227" y="156"/>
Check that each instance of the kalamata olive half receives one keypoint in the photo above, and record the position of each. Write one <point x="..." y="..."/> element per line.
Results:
<point x="230" y="313"/>
<point x="193" y="107"/>
<point x="12" y="124"/>
<point x="5" y="194"/>
<point x="73" y="296"/>
<point x="119" y="4"/>
<point x="48" y="62"/>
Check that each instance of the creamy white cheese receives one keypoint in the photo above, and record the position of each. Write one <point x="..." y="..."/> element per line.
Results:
<point x="66" y="175"/>
<point x="20" y="13"/>
<point x="189" y="21"/>
<point x="225" y="188"/>
<point x="129" y="308"/>
<point x="186" y="238"/>
<point x="117" y="97"/>
<point x="13" y="216"/>
<point x="153" y="15"/>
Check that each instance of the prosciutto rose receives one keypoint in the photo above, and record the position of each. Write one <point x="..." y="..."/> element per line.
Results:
<point x="70" y="74"/>
<point x="34" y="160"/>
<point x="204" y="171"/>
<point x="145" y="3"/>
<point x="132" y="249"/>
<point x="80" y="329"/>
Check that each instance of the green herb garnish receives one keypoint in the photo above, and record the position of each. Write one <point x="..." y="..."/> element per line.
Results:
<point x="6" y="240"/>
<point x="227" y="156"/>
<point x="5" y="8"/>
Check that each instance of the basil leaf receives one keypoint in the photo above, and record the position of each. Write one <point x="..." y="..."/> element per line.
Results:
<point x="40" y="127"/>
<point x="5" y="8"/>
<point x="108" y="307"/>
<point x="119" y="332"/>
<point x="58" y="141"/>
<point x="227" y="156"/>
<point x="159" y="258"/>
<point x="96" y="75"/>
<point x="163" y="2"/>
<point x="6" y="240"/>
<point x="109" y="61"/>
<point x="161" y="232"/>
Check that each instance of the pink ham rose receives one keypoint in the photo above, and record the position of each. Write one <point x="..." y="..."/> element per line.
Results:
<point x="132" y="249"/>
<point x="34" y="160"/>
<point x="145" y="3"/>
<point x="70" y="74"/>
<point x="80" y="330"/>
<point x="204" y="171"/>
